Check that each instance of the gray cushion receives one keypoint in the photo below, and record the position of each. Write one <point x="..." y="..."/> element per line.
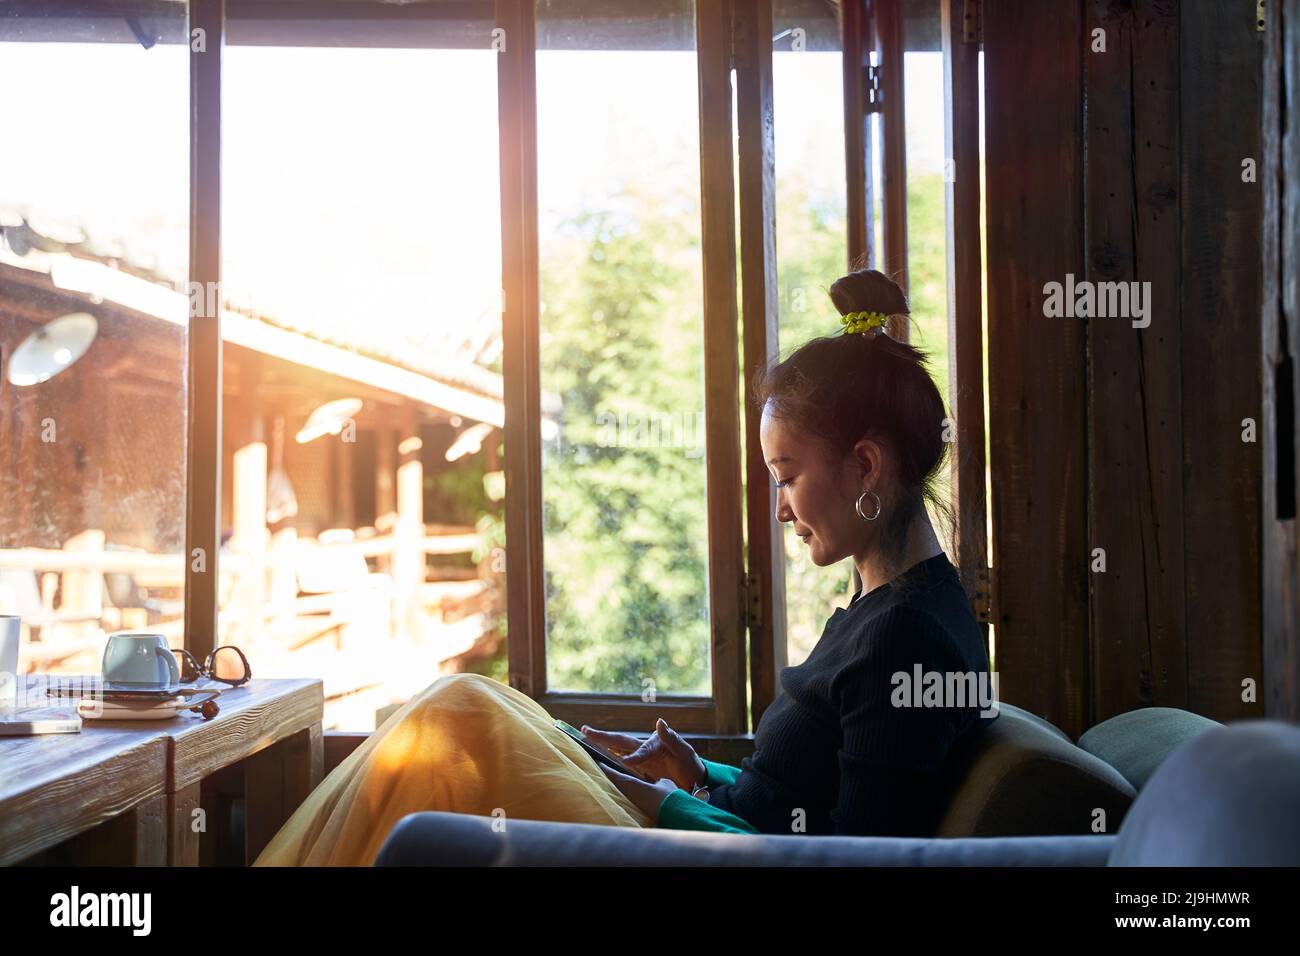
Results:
<point x="1228" y="797"/>
<point x="1040" y="721"/>
<point x="1020" y="776"/>
<point x="435" y="838"/>
<point x="1136" y="743"/>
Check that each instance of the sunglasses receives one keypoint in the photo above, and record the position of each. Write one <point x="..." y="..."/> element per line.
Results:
<point x="226" y="664"/>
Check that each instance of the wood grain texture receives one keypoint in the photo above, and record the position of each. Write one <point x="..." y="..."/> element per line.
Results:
<point x="721" y="365"/>
<point x="1221" y="354"/>
<point x="893" y="149"/>
<point x="1280" y="335"/>
<point x="277" y="780"/>
<point x="338" y="745"/>
<point x="203" y="374"/>
<point x="860" y="196"/>
<point x="765" y="545"/>
<point x="183" y="841"/>
<point x="1034" y="177"/>
<point x="521" y="370"/>
<point x="55" y="786"/>
<point x="252" y="717"/>
<point x="1135" y="426"/>
<point x="965" y="305"/>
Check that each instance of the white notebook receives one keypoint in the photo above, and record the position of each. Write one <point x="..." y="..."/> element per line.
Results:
<point x="26" y="721"/>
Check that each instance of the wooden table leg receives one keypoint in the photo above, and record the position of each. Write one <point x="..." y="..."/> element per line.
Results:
<point x="137" y="837"/>
<point x="276" y="781"/>
<point x="185" y="827"/>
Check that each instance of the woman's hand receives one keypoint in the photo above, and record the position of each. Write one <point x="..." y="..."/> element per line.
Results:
<point x="663" y="754"/>
<point x="646" y="796"/>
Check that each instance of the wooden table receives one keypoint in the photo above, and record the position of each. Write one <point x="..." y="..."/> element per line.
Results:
<point x="144" y="780"/>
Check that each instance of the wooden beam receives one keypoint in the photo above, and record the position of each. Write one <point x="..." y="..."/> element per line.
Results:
<point x="203" y="444"/>
<point x="761" y="324"/>
<point x="965" y="306"/>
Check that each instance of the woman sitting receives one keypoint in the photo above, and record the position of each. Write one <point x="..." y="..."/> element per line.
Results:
<point x="853" y="431"/>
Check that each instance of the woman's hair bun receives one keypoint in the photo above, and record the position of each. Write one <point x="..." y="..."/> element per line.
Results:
<point x="867" y="290"/>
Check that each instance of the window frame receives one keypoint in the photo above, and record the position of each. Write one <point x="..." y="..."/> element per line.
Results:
<point x="746" y="579"/>
<point x="724" y="711"/>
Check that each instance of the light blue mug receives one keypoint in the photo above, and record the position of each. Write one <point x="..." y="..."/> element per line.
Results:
<point x="140" y="659"/>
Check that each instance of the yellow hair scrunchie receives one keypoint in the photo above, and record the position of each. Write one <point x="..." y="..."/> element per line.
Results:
<point x="862" y="321"/>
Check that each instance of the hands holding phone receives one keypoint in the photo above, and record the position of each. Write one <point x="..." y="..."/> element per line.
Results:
<point x="663" y="756"/>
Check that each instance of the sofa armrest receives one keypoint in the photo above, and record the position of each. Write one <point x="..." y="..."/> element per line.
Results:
<point x="435" y="838"/>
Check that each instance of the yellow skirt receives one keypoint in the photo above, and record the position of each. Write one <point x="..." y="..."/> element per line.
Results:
<point x="466" y="744"/>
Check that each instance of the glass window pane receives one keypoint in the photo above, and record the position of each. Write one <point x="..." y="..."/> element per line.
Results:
<point x="812" y="251"/>
<point x="362" y="475"/>
<point x="927" y="261"/>
<point x="622" y="372"/>
<point x="94" y="210"/>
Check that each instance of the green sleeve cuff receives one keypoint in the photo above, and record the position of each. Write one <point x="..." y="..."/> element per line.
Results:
<point x="681" y="811"/>
<point x="719" y="774"/>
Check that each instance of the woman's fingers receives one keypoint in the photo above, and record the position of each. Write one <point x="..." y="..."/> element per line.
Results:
<point x="618" y="743"/>
<point x="648" y="749"/>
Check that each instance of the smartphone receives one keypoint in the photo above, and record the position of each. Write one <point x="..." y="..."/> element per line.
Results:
<point x="600" y="754"/>
<point x="111" y="690"/>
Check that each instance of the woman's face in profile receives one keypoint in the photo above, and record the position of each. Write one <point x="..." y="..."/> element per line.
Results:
<point x="812" y="492"/>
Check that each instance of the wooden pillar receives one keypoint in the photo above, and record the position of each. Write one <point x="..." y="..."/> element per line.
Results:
<point x="345" y="501"/>
<point x="250" y="537"/>
<point x="385" y="475"/>
<point x="408" y="554"/>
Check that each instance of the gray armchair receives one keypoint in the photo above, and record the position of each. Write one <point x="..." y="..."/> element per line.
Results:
<point x="1022" y="795"/>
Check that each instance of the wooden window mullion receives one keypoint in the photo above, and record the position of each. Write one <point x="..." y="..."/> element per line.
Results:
<point x="965" y="307"/>
<point x="203" y="421"/>
<point x="721" y="364"/>
<point x="517" y="118"/>
<point x="761" y="334"/>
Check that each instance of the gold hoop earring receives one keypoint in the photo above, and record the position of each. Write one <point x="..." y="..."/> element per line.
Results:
<point x="857" y="506"/>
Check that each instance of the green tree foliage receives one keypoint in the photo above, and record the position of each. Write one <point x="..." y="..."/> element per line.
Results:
<point x="624" y="525"/>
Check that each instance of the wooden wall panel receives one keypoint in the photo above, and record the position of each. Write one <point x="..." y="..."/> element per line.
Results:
<point x="1135" y="437"/>
<point x="1124" y="164"/>
<point x="1034" y="178"/>
<point x="1220" y="53"/>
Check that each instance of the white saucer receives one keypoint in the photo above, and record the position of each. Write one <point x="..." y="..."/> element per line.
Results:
<point x="93" y="709"/>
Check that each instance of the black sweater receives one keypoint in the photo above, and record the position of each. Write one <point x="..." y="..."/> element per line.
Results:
<point x="836" y="745"/>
